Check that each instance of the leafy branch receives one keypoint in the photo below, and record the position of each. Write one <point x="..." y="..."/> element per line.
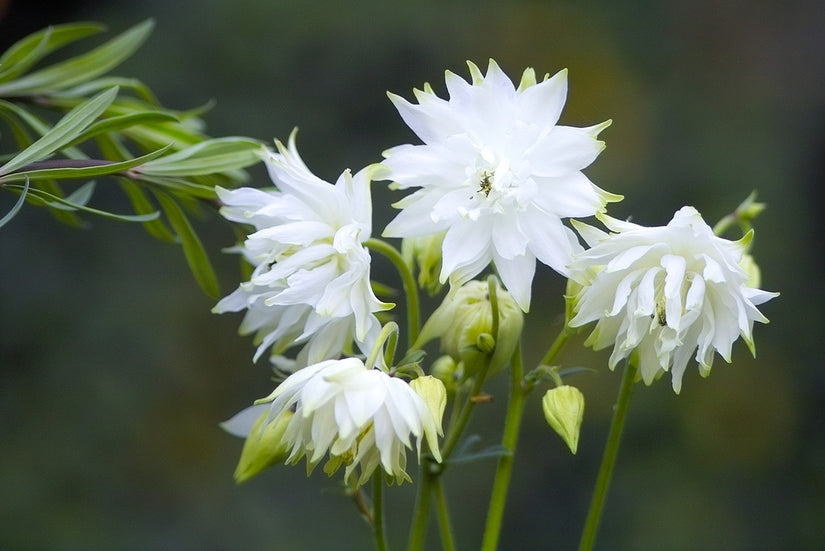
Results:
<point x="71" y="124"/>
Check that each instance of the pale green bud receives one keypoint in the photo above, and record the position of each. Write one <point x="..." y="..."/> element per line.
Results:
<point x="434" y="394"/>
<point x="564" y="408"/>
<point x="263" y="447"/>
<point x="446" y="370"/>
<point x="425" y="254"/>
<point x="464" y="323"/>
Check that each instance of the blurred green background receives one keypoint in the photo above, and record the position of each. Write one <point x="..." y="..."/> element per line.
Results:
<point x="114" y="375"/>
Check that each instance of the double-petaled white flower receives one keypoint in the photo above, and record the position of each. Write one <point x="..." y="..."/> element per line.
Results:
<point x="498" y="174"/>
<point x="361" y="417"/>
<point x="311" y="282"/>
<point x="666" y="292"/>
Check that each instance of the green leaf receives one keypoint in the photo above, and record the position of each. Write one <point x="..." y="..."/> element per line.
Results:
<point x="192" y="247"/>
<point x="26" y="52"/>
<point x="17" y="206"/>
<point x="73" y="123"/>
<point x="113" y="124"/>
<point x="81" y="169"/>
<point x="94" y="86"/>
<point x="142" y="205"/>
<point x="81" y="68"/>
<point x="211" y="156"/>
<point x="53" y="201"/>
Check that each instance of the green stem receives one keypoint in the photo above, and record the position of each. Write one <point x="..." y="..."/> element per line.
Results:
<point x="443" y="516"/>
<point x="451" y="440"/>
<point x="515" y="409"/>
<point x="611" y="450"/>
<point x="378" y="511"/>
<point x="418" y="531"/>
<point x="555" y="348"/>
<point x="410" y="289"/>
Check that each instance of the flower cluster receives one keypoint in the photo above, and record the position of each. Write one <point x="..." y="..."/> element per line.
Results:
<point x="497" y="181"/>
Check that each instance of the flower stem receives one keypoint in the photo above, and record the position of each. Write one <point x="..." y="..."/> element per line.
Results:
<point x="443" y="516"/>
<point x="378" y="511"/>
<point x="501" y="483"/>
<point x="555" y="348"/>
<point x="410" y="289"/>
<point x="418" y="530"/>
<point x="611" y="450"/>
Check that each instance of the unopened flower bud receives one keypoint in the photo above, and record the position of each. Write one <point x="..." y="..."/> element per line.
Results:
<point x="425" y="253"/>
<point x="263" y="447"/>
<point x="446" y="370"/>
<point x="434" y="394"/>
<point x="564" y="408"/>
<point x="464" y="323"/>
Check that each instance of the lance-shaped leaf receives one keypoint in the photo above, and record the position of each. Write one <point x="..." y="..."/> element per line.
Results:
<point x="81" y="68"/>
<point x="211" y="156"/>
<point x="98" y="84"/>
<point x="24" y="53"/>
<point x="45" y="198"/>
<point x="192" y="247"/>
<point x="142" y="205"/>
<point x="72" y="124"/>
<point x="83" y="168"/>
<point x="17" y="206"/>
<point x="113" y="124"/>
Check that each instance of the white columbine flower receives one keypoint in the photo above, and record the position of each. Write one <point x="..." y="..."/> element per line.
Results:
<point x="361" y="417"/>
<point x="311" y="282"/>
<point x="498" y="174"/>
<point x="667" y="292"/>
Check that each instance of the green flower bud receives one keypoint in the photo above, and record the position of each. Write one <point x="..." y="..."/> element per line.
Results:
<point x="464" y="323"/>
<point x="434" y="394"/>
<point x="564" y="408"/>
<point x="425" y="253"/>
<point x="446" y="370"/>
<point x="263" y="447"/>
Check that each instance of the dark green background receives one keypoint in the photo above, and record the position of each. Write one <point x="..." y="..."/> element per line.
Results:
<point x="114" y="375"/>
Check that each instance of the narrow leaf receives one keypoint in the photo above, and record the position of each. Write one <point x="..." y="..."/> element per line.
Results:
<point x="142" y="205"/>
<point x="79" y="169"/>
<point x="53" y="201"/>
<point x="192" y="247"/>
<point x="74" y="122"/>
<point x="113" y="124"/>
<point x="81" y="68"/>
<point x="211" y="156"/>
<point x="17" y="206"/>
<point x="26" y="52"/>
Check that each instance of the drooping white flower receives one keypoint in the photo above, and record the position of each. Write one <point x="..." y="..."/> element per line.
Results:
<point x="666" y="292"/>
<point x="497" y="173"/>
<point x="361" y="417"/>
<point x="311" y="282"/>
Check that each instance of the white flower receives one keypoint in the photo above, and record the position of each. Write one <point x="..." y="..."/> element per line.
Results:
<point x="498" y="174"/>
<point x="311" y="282"/>
<point x="362" y="417"/>
<point x="665" y="291"/>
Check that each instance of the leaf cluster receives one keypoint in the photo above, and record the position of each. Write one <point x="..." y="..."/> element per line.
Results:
<point x="71" y="123"/>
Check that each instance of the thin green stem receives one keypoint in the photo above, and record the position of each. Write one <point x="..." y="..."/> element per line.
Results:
<point x="443" y="516"/>
<point x="454" y="434"/>
<point x="611" y="450"/>
<point x="501" y="483"/>
<point x="410" y="289"/>
<point x="555" y="348"/>
<point x="418" y="530"/>
<point x="378" y="511"/>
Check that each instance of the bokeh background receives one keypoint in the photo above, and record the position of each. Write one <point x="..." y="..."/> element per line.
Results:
<point x="114" y="375"/>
